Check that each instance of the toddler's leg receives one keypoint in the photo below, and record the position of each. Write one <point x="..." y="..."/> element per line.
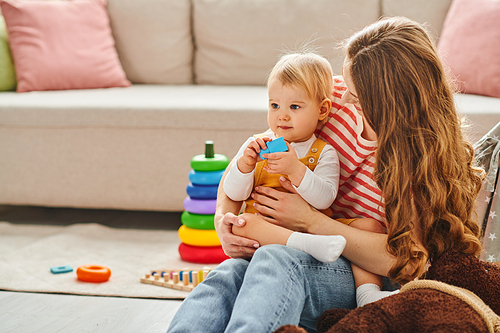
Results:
<point x="322" y="248"/>
<point x="369" y="292"/>
<point x="368" y="285"/>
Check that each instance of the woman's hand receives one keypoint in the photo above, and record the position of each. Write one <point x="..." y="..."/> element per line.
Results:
<point x="225" y="216"/>
<point x="288" y="210"/>
<point x="234" y="246"/>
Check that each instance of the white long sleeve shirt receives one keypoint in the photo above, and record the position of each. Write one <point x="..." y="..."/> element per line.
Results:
<point x="319" y="187"/>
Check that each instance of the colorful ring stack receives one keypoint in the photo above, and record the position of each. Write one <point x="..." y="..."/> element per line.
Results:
<point x="200" y="243"/>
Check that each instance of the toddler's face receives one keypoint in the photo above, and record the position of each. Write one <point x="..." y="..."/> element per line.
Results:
<point x="292" y="114"/>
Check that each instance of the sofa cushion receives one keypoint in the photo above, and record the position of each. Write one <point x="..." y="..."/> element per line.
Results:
<point x="62" y="45"/>
<point x="429" y="12"/>
<point x="469" y="44"/>
<point x="153" y="39"/>
<point x="7" y="72"/>
<point x="239" y="41"/>
<point x="186" y="107"/>
<point x="481" y="113"/>
<point x="189" y="107"/>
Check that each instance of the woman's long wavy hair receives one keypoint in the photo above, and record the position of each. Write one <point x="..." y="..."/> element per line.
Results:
<point x="425" y="167"/>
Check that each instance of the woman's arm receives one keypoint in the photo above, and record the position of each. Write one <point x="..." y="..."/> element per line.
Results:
<point x="226" y="215"/>
<point x="365" y="249"/>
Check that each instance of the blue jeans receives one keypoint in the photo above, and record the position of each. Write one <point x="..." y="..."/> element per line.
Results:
<point x="279" y="286"/>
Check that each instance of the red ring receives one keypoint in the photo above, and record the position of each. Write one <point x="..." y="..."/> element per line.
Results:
<point x="202" y="254"/>
<point x="93" y="273"/>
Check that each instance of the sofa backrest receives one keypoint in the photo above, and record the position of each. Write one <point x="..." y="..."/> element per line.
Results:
<point x="430" y="12"/>
<point x="153" y="39"/>
<point x="237" y="42"/>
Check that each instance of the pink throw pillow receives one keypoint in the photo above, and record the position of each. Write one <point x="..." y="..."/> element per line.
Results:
<point x="470" y="45"/>
<point x="59" y="45"/>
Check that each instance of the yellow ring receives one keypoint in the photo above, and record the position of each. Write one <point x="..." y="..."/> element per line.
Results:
<point x="198" y="237"/>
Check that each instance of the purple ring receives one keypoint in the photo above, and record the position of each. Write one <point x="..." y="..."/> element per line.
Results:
<point x="196" y="206"/>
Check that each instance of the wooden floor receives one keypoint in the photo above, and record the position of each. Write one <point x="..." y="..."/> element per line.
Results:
<point x="46" y="313"/>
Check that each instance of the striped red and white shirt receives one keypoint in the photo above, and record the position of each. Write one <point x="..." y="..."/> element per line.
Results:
<point x="358" y="195"/>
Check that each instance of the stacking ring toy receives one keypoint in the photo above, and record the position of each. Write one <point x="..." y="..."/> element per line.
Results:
<point x="93" y="273"/>
<point x="202" y="254"/>
<point x="202" y="191"/>
<point x="198" y="221"/>
<point x="209" y="161"/>
<point x="205" y="177"/>
<point x="198" y="237"/>
<point x="196" y="206"/>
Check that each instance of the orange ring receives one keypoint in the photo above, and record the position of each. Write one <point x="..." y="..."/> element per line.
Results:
<point x="93" y="273"/>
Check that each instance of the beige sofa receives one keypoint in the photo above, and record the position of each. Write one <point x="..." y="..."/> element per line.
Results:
<point x="198" y="68"/>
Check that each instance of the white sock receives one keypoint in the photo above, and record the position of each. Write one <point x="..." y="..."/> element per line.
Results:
<point x="370" y="292"/>
<point x="322" y="248"/>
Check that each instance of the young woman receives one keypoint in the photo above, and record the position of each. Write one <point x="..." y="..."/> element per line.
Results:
<point x="396" y="103"/>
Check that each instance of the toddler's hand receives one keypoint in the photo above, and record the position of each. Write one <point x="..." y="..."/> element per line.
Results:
<point x="286" y="163"/>
<point x="246" y="163"/>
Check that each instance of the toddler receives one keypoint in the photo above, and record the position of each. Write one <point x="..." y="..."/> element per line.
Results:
<point x="299" y="88"/>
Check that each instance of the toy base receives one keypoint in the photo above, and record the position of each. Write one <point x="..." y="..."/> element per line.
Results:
<point x="176" y="279"/>
<point x="202" y="254"/>
<point x="148" y="279"/>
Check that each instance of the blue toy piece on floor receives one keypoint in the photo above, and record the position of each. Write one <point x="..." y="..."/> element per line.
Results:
<point x="278" y="145"/>
<point x="61" y="269"/>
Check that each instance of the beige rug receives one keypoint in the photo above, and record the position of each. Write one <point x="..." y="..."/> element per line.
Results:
<point x="27" y="252"/>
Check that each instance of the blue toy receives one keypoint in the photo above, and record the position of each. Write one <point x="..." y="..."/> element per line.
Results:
<point x="61" y="269"/>
<point x="276" y="146"/>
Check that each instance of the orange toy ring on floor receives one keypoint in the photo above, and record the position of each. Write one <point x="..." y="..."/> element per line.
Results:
<point x="93" y="273"/>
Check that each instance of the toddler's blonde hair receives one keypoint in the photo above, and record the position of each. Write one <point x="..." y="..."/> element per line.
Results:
<point x="308" y="71"/>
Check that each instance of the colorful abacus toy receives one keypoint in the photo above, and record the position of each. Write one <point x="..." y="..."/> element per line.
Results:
<point x="184" y="280"/>
<point x="200" y="243"/>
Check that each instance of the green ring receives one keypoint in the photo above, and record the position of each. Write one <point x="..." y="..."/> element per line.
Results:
<point x="198" y="221"/>
<point x="202" y="163"/>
